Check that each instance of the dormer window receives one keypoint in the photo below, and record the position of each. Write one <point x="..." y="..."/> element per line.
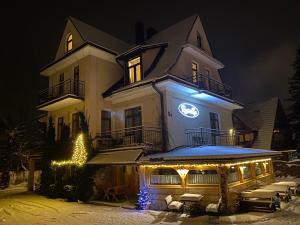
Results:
<point x="134" y="70"/>
<point x="199" y="40"/>
<point x="69" y="42"/>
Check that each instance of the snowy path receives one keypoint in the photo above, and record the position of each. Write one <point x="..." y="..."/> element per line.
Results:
<point x="20" y="208"/>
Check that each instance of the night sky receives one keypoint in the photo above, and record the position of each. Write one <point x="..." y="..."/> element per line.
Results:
<point x="257" y="42"/>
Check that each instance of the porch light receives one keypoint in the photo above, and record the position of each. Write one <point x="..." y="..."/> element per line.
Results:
<point x="182" y="172"/>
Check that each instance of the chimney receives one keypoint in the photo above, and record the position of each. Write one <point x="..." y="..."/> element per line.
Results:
<point x="139" y="33"/>
<point x="150" y="32"/>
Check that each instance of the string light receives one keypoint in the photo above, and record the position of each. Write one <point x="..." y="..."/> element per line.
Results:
<point x="180" y="166"/>
<point x="79" y="156"/>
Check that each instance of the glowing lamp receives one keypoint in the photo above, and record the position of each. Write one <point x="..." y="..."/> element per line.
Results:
<point x="188" y="110"/>
<point x="182" y="172"/>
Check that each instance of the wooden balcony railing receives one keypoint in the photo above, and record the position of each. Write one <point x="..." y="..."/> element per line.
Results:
<point x="206" y="83"/>
<point x="68" y="87"/>
<point x="133" y="136"/>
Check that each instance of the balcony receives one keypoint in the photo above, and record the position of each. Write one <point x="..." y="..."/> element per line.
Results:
<point x="61" y="95"/>
<point x="206" y="83"/>
<point x="206" y="136"/>
<point x="149" y="137"/>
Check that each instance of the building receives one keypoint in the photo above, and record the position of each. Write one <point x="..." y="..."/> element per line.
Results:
<point x="266" y="125"/>
<point x="158" y="111"/>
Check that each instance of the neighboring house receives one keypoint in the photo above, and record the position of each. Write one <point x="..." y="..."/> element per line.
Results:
<point x="266" y="123"/>
<point x="159" y="112"/>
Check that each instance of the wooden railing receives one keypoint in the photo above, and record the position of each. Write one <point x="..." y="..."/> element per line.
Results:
<point x="165" y="179"/>
<point x="68" y="87"/>
<point x="203" y="178"/>
<point x="133" y="136"/>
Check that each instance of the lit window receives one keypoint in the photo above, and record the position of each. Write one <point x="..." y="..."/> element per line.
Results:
<point x="134" y="68"/>
<point x="246" y="172"/>
<point x="233" y="174"/>
<point x="194" y="72"/>
<point x="258" y="170"/>
<point x="69" y="42"/>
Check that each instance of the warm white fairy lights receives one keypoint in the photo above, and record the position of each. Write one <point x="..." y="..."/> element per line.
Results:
<point x="79" y="156"/>
<point x="180" y="166"/>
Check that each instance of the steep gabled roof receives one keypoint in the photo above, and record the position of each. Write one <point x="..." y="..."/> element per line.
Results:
<point x="176" y="36"/>
<point x="260" y="116"/>
<point x="93" y="35"/>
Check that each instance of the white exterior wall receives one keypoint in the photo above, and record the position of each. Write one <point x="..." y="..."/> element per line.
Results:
<point x="177" y="123"/>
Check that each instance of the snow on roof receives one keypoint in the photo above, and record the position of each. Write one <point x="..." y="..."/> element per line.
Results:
<point x="176" y="36"/>
<point x="100" y="38"/>
<point x="260" y="116"/>
<point x="116" y="157"/>
<point x="209" y="152"/>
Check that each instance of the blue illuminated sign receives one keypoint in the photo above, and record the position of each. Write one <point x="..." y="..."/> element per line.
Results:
<point x="188" y="110"/>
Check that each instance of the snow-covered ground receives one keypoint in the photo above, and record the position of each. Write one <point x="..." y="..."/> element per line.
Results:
<point x="17" y="207"/>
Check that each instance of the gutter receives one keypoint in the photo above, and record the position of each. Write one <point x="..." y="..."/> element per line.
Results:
<point x="162" y="115"/>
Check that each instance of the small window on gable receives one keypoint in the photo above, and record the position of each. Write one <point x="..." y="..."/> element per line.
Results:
<point x="69" y="45"/>
<point x="194" y="72"/>
<point x="134" y="70"/>
<point x="199" y="40"/>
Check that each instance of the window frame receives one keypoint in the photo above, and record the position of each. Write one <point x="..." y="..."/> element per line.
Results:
<point x="60" y="127"/>
<point x="134" y="69"/>
<point x="199" y="40"/>
<point x="195" y="77"/>
<point x="107" y="119"/>
<point x="75" y="117"/>
<point x="68" y="42"/>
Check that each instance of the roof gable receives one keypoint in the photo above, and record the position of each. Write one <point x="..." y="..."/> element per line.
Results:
<point x="85" y="33"/>
<point x="77" y="39"/>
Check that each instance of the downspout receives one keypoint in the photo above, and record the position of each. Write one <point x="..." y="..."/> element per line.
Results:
<point x="162" y="115"/>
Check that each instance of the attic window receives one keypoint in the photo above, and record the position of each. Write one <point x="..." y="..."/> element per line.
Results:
<point x="199" y="40"/>
<point x="69" y="42"/>
<point x="134" y="70"/>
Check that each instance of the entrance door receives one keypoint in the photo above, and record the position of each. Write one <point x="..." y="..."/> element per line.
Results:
<point x="215" y="127"/>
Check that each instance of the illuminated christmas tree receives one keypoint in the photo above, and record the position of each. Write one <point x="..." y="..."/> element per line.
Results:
<point x="144" y="198"/>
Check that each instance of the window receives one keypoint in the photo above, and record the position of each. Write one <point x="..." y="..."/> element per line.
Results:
<point x="133" y="117"/>
<point x="69" y="42"/>
<point x="61" y="84"/>
<point x="194" y="72"/>
<point x="76" y="80"/>
<point x="215" y="127"/>
<point x="203" y="177"/>
<point x="233" y="174"/>
<point x="75" y="124"/>
<point x="258" y="170"/>
<point x="105" y="122"/>
<point x="199" y="40"/>
<point x="246" y="172"/>
<point x="165" y="176"/>
<point x="60" y="125"/>
<point x="134" y="70"/>
<point x="267" y="167"/>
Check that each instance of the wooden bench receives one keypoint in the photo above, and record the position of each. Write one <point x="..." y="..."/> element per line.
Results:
<point x="260" y="199"/>
<point x="294" y="186"/>
<point x="283" y="190"/>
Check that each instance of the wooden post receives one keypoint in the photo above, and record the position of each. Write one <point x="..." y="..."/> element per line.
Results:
<point x="31" y="175"/>
<point x="224" y="186"/>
